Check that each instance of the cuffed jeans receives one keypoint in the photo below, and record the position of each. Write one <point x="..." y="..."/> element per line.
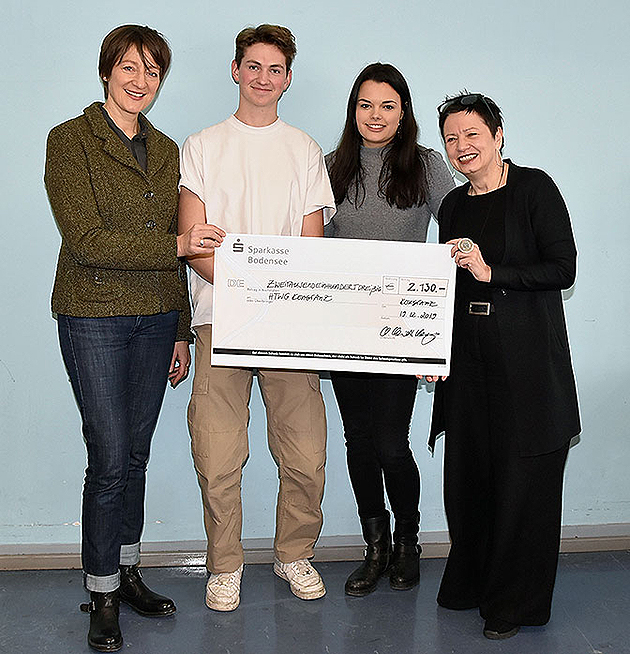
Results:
<point x="218" y="416"/>
<point x="118" y="368"/>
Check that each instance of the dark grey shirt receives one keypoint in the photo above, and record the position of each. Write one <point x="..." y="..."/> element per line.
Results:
<point x="375" y="218"/>
<point x="138" y="144"/>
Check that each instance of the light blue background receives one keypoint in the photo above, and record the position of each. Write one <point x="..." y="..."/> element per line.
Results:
<point x="560" y="73"/>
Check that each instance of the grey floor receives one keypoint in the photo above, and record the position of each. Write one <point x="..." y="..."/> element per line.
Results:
<point x="591" y="615"/>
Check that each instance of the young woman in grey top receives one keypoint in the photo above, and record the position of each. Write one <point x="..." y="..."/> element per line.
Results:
<point x="386" y="187"/>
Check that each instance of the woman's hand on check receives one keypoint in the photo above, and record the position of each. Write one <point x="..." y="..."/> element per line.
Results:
<point x="432" y="378"/>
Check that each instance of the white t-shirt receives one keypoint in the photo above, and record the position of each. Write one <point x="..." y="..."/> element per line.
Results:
<point x="253" y="180"/>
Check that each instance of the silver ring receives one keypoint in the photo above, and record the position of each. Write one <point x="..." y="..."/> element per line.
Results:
<point x="200" y="242"/>
<point x="465" y="245"/>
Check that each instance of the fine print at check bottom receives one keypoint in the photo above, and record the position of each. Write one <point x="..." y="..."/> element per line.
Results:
<point x="333" y="304"/>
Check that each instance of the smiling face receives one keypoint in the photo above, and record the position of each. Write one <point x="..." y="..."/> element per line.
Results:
<point x="262" y="77"/>
<point x="132" y="85"/>
<point x="378" y="113"/>
<point x="470" y="146"/>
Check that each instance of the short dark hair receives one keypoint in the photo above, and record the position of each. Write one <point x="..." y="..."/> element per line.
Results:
<point x="120" y="39"/>
<point x="485" y="107"/>
<point x="276" y="35"/>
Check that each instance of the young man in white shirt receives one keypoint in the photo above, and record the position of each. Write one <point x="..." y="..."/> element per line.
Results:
<point x="254" y="174"/>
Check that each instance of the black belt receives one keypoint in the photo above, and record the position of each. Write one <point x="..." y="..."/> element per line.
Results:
<point x="480" y="308"/>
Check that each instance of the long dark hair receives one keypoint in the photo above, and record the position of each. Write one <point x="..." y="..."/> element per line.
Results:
<point x="403" y="177"/>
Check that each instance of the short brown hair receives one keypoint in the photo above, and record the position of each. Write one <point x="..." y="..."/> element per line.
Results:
<point x="120" y="39"/>
<point x="276" y="35"/>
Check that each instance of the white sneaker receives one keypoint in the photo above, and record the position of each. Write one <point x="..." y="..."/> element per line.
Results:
<point x="304" y="580"/>
<point x="223" y="590"/>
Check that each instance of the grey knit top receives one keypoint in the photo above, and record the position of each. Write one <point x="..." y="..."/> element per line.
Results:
<point x="375" y="218"/>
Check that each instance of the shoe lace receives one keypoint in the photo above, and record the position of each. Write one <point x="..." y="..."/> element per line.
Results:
<point x="302" y="567"/>
<point x="227" y="579"/>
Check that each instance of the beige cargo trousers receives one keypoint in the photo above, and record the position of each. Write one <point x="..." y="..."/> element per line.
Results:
<point x="218" y="417"/>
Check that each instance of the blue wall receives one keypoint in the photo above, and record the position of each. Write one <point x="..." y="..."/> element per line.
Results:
<point x="560" y="73"/>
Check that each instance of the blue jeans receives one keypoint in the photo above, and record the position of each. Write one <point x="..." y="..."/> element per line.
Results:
<point x="118" y="368"/>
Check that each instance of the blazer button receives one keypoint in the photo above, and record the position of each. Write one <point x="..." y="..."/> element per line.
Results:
<point x="503" y="292"/>
<point x="151" y="224"/>
<point x="148" y="195"/>
<point x="98" y="279"/>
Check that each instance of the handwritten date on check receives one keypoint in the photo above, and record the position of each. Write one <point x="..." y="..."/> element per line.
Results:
<point x="333" y="304"/>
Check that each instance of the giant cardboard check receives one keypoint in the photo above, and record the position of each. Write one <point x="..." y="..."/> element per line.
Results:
<point x="333" y="304"/>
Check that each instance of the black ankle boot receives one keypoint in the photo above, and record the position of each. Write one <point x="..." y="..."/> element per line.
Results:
<point x="404" y="572"/>
<point x="377" y="535"/>
<point x="134" y="592"/>
<point x="104" y="634"/>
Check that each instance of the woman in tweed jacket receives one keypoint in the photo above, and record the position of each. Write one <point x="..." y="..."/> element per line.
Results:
<point x="121" y="301"/>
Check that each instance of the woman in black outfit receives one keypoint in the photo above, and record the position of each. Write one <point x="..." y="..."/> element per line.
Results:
<point x="509" y="407"/>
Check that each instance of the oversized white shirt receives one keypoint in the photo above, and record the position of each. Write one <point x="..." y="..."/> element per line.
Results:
<point x="253" y="180"/>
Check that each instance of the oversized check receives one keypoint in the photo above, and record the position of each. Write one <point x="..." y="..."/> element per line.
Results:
<point x="333" y="304"/>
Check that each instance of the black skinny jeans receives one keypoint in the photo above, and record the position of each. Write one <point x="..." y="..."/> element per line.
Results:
<point x="376" y="413"/>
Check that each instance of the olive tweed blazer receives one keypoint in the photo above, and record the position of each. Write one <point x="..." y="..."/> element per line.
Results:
<point x="118" y="224"/>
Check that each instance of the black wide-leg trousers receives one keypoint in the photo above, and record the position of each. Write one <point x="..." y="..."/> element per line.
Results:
<point x="503" y="509"/>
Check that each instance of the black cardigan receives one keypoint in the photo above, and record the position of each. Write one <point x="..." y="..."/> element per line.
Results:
<point x="539" y="261"/>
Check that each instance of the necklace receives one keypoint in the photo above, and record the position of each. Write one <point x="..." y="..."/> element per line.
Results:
<point x="492" y="200"/>
<point x="493" y="189"/>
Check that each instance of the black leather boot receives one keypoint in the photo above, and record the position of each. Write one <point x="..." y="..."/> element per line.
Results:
<point x="404" y="572"/>
<point x="377" y="535"/>
<point x="134" y="592"/>
<point x="104" y="634"/>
